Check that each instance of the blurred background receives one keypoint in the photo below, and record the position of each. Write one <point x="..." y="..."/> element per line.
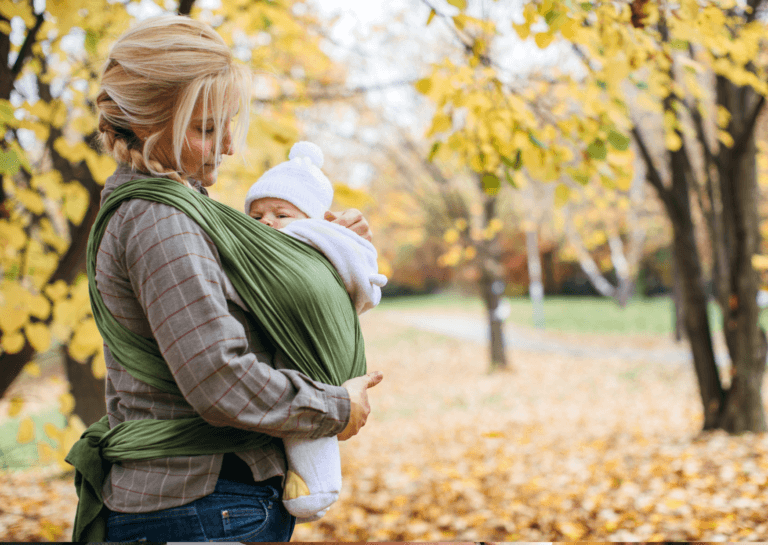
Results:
<point x="568" y="198"/>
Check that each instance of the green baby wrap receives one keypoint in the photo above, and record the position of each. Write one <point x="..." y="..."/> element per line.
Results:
<point x="294" y="293"/>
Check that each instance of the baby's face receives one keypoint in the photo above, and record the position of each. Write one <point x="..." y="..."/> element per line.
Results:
<point x="275" y="213"/>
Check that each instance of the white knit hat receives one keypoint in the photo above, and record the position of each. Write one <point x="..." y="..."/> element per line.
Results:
<point x="298" y="181"/>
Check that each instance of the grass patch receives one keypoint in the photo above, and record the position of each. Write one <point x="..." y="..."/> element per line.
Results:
<point x="14" y="456"/>
<point x="645" y="316"/>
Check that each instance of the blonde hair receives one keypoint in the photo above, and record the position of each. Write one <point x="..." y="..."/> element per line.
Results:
<point x="156" y="75"/>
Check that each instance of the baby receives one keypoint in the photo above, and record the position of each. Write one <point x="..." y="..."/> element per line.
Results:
<point x="293" y="197"/>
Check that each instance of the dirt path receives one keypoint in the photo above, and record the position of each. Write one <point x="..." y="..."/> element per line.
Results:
<point x="473" y="327"/>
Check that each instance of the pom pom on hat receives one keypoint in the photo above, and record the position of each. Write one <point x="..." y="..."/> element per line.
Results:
<point x="298" y="181"/>
<point x="308" y="150"/>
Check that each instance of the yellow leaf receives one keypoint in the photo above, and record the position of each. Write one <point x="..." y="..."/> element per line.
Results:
<point x="57" y="291"/>
<point x="451" y="236"/>
<point x="760" y="262"/>
<point x="66" y="403"/>
<point x="470" y="253"/>
<point x="52" y="431"/>
<point x="726" y="138"/>
<point x="86" y="341"/>
<point x="99" y="366"/>
<point x="101" y="167"/>
<point x="543" y="39"/>
<point x="562" y="194"/>
<point x="723" y="116"/>
<point x="12" y="234"/>
<point x="424" y="85"/>
<point x="39" y="336"/>
<point x="523" y="30"/>
<point x="26" y="431"/>
<point x="461" y="4"/>
<point x="45" y="453"/>
<point x="31" y="201"/>
<point x="39" y="307"/>
<point x="441" y="123"/>
<point x="69" y="436"/>
<point x="672" y="141"/>
<point x="12" y="342"/>
<point x="568" y="30"/>
<point x="76" y="200"/>
<point x="572" y="531"/>
<point x="15" y="406"/>
<point x="32" y="369"/>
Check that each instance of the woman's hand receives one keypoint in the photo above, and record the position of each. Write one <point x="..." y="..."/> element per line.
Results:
<point x="359" y="406"/>
<point x="352" y="219"/>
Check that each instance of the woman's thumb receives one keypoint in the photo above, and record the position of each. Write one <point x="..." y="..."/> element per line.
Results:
<point x="374" y="378"/>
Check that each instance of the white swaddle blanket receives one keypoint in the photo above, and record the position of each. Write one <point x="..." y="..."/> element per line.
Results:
<point x="352" y="256"/>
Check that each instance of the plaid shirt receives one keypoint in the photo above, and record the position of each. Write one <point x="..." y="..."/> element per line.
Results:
<point x="160" y="276"/>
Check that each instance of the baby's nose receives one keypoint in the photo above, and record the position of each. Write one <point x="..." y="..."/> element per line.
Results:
<point x="266" y="221"/>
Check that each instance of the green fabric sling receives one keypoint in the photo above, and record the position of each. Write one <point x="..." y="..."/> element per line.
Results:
<point x="294" y="293"/>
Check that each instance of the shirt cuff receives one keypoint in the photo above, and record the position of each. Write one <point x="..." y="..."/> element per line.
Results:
<point x="339" y="410"/>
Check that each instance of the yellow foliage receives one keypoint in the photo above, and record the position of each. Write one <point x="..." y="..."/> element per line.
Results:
<point x="38" y="335"/>
<point x="15" y="406"/>
<point x="101" y="166"/>
<point x="99" y="366"/>
<point x="26" y="431"/>
<point x="15" y="307"/>
<point x="12" y="235"/>
<point x="562" y="194"/>
<point x="12" y="342"/>
<point x="30" y="200"/>
<point x="451" y="236"/>
<point x="66" y="403"/>
<point x="76" y="200"/>
<point x="760" y="262"/>
<point x="346" y="197"/>
<point x="57" y="291"/>
<point x="86" y="341"/>
<point x="32" y="369"/>
<point x="543" y="39"/>
<point x="726" y="138"/>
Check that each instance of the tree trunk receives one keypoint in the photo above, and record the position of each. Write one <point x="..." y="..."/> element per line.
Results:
<point x="535" y="283"/>
<point x="492" y="286"/>
<point x="694" y="296"/>
<point x="743" y="407"/>
<point x="677" y="302"/>
<point x="88" y="391"/>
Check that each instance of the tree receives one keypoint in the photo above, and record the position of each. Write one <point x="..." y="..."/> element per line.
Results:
<point x="653" y="56"/>
<point x="52" y="172"/>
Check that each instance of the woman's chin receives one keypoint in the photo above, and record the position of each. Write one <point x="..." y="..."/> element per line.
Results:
<point x="207" y="179"/>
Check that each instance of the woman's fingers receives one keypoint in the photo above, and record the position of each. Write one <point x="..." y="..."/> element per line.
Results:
<point x="360" y="408"/>
<point x="352" y="219"/>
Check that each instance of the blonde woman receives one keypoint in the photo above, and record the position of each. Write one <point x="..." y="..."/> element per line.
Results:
<point x="176" y="458"/>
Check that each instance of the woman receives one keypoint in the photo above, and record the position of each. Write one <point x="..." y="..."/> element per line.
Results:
<point x="169" y="92"/>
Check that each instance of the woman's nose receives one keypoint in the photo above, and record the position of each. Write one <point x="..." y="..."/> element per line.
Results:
<point x="266" y="221"/>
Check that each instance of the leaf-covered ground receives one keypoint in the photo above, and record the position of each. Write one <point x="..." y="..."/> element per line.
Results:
<point x="556" y="449"/>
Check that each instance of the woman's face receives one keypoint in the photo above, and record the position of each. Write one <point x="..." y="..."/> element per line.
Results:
<point x="198" y="153"/>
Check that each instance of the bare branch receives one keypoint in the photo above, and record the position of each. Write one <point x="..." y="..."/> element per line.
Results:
<point x="185" y="7"/>
<point x="741" y="140"/>
<point x="26" y="48"/>
<point x="335" y="94"/>
<point x="653" y="176"/>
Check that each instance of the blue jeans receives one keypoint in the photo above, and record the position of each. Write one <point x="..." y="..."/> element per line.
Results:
<point x="233" y="512"/>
